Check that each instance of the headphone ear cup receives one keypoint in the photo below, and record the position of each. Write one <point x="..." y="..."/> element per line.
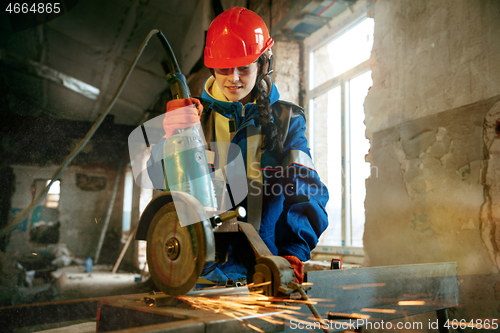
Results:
<point x="270" y="64"/>
<point x="267" y="65"/>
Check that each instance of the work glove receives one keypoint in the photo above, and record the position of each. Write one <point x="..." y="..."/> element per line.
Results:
<point x="181" y="113"/>
<point x="298" y="268"/>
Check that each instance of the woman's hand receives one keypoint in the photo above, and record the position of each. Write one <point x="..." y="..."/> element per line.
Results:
<point x="298" y="268"/>
<point x="181" y="113"/>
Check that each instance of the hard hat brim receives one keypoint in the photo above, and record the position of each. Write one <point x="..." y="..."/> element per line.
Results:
<point x="211" y="62"/>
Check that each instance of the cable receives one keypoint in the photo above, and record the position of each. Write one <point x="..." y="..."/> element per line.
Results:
<point x="87" y="137"/>
<point x="173" y="66"/>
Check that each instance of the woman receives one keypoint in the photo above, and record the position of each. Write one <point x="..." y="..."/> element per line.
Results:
<point x="286" y="200"/>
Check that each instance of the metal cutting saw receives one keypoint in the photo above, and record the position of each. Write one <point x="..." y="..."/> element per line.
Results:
<point x="176" y="252"/>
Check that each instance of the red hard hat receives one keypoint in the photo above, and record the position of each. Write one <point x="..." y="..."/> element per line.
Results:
<point x="235" y="38"/>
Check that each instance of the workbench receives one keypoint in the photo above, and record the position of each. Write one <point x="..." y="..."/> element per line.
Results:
<point x="342" y="296"/>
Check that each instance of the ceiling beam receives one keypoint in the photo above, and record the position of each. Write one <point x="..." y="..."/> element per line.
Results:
<point x="122" y="36"/>
<point x="24" y="65"/>
<point x="296" y="7"/>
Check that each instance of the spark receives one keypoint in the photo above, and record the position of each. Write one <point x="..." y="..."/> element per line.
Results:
<point x="253" y="285"/>
<point x="378" y="310"/>
<point x="235" y="316"/>
<point x="348" y="315"/>
<point x="35" y="254"/>
<point x="301" y="301"/>
<point x="251" y="305"/>
<point x="411" y="303"/>
<point x="418" y="295"/>
<point x="95" y="219"/>
<point x="368" y="285"/>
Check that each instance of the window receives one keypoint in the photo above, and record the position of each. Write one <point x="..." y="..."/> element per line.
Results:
<point x="146" y="195"/>
<point x="54" y="194"/>
<point x="127" y="204"/>
<point x="339" y="78"/>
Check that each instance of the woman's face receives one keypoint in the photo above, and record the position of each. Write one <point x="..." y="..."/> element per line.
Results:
<point x="237" y="83"/>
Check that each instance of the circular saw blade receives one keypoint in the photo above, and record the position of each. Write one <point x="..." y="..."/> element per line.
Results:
<point x="175" y="254"/>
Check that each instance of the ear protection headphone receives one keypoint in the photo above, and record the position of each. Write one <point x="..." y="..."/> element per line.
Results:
<point x="267" y="65"/>
<point x="269" y="57"/>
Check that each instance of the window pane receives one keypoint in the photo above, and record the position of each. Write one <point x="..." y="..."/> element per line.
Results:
<point x="127" y="201"/>
<point x="328" y="159"/>
<point x="360" y="170"/>
<point x="343" y="53"/>
<point x="55" y="188"/>
<point x="145" y="196"/>
<point x="53" y="195"/>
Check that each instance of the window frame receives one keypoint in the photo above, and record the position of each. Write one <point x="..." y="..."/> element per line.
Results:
<point x="343" y="81"/>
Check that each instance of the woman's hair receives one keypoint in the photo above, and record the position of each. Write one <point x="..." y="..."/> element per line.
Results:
<point x="273" y="138"/>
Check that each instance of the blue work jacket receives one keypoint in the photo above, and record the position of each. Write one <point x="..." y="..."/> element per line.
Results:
<point x="292" y="213"/>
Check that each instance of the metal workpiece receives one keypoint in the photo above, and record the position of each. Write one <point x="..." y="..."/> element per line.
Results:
<point x="117" y="315"/>
<point x="334" y="297"/>
<point x="353" y="297"/>
<point x="384" y="293"/>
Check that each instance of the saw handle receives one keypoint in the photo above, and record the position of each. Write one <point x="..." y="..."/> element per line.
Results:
<point x="238" y="212"/>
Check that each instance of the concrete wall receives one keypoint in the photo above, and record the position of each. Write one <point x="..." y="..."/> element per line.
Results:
<point x="431" y="116"/>
<point x="431" y="56"/>
<point x="78" y="210"/>
<point x="287" y="70"/>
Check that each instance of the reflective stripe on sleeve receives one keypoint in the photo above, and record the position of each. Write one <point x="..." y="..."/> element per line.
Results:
<point x="298" y="157"/>
<point x="254" y="176"/>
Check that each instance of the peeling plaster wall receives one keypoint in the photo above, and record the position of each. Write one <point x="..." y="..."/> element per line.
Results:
<point x="429" y="191"/>
<point x="286" y="70"/>
<point x="490" y="214"/>
<point x="431" y="56"/>
<point x="431" y="116"/>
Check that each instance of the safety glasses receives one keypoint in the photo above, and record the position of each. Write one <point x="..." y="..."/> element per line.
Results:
<point x="243" y="70"/>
